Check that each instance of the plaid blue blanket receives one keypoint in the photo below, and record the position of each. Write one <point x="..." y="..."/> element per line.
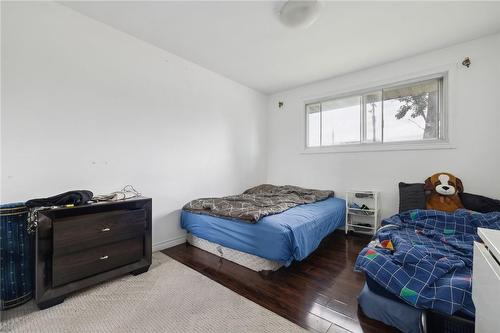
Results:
<point x="425" y="257"/>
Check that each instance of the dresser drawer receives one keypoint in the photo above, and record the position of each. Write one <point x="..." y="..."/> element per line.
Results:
<point x="73" y="234"/>
<point x="78" y="265"/>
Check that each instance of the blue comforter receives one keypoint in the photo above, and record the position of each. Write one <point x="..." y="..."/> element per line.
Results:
<point x="425" y="257"/>
<point x="284" y="237"/>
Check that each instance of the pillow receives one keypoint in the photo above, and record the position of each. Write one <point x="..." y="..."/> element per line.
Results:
<point x="411" y="196"/>
<point x="478" y="203"/>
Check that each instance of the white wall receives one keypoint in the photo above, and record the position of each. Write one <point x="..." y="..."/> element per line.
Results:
<point x="474" y="110"/>
<point x="85" y="106"/>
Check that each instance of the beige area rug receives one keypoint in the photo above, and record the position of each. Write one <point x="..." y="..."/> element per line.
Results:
<point x="170" y="297"/>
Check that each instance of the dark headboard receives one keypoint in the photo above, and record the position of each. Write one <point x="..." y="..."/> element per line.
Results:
<point x="412" y="196"/>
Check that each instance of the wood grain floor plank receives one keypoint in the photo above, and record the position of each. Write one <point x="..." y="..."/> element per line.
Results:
<point x="319" y="293"/>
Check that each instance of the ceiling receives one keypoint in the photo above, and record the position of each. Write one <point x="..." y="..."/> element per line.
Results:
<point x="245" y="41"/>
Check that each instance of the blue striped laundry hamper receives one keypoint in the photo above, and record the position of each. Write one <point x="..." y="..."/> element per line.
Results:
<point x="15" y="256"/>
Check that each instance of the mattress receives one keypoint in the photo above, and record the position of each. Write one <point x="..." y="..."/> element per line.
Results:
<point x="241" y="258"/>
<point x="391" y="312"/>
<point x="290" y="235"/>
<point x="459" y="322"/>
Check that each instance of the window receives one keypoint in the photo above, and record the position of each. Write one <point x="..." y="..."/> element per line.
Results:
<point x="410" y="113"/>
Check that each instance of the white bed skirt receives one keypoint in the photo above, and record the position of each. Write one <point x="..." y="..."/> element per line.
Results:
<point x="247" y="260"/>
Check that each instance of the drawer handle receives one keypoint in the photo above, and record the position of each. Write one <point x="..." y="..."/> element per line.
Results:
<point x="103" y="258"/>
<point x="105" y="229"/>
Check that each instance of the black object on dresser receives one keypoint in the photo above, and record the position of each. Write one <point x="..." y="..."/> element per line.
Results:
<point x="81" y="246"/>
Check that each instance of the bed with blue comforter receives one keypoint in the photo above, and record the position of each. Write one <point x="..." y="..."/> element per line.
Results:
<point x="424" y="257"/>
<point x="284" y="237"/>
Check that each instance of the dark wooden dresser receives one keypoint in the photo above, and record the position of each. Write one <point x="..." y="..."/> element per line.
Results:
<point x="81" y="246"/>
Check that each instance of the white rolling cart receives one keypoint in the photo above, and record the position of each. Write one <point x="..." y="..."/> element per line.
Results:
<point x="362" y="211"/>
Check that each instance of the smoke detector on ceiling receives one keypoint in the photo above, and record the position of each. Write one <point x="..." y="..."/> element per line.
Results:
<point x="299" y="13"/>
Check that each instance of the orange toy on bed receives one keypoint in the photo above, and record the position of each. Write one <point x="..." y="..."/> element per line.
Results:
<point x="444" y="189"/>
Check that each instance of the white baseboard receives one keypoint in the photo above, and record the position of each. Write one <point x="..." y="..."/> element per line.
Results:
<point x="168" y="243"/>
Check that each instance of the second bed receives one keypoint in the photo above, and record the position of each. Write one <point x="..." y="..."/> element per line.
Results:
<point x="273" y="241"/>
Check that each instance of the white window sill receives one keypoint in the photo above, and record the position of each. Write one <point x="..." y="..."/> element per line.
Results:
<point x="374" y="147"/>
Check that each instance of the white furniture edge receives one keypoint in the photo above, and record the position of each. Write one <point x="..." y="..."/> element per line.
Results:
<point x="486" y="281"/>
<point x="491" y="239"/>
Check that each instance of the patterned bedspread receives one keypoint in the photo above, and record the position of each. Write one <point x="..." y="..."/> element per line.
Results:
<point x="257" y="202"/>
<point x="425" y="257"/>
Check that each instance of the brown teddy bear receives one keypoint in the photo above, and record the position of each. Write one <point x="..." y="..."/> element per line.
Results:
<point x="444" y="189"/>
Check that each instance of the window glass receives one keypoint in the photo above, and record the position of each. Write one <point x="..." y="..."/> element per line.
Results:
<point x="411" y="112"/>
<point x="313" y="125"/>
<point x="373" y="116"/>
<point x="340" y="121"/>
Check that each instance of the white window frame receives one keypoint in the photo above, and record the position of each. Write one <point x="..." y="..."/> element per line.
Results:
<point x="447" y="73"/>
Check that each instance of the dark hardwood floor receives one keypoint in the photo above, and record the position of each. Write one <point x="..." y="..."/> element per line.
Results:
<point x="318" y="293"/>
